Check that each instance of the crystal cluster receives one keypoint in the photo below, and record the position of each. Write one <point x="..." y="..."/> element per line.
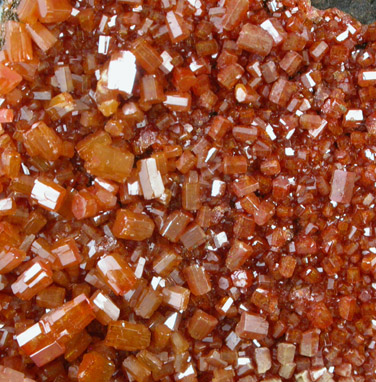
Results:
<point x="187" y="192"/>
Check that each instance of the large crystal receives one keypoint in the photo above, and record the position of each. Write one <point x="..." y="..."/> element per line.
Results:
<point x="197" y="279"/>
<point x="309" y="344"/>
<point x="219" y="128"/>
<point x="136" y="369"/>
<point x="183" y="79"/>
<point x="263" y="360"/>
<point x="252" y="326"/>
<point x="17" y="42"/>
<point x="285" y="353"/>
<point x="66" y="253"/>
<point x="318" y="50"/>
<point x="51" y="297"/>
<point x="48" y="194"/>
<point x="191" y="194"/>
<point x="146" y="55"/>
<point x="347" y="307"/>
<point x="95" y="367"/>
<point x="84" y="205"/>
<point x="236" y="11"/>
<point x="234" y="164"/>
<point x="132" y="226"/>
<point x="10" y="258"/>
<point x="104" y="160"/>
<point x="342" y="186"/>
<point x="43" y="141"/>
<point x="148" y="302"/>
<point x="176" y="297"/>
<point x="166" y="262"/>
<point x="41" y="36"/>
<point x="177" y="27"/>
<point x="281" y="92"/>
<point x="9" y="79"/>
<point x="178" y="101"/>
<point x="45" y="341"/>
<point x="254" y="39"/>
<point x="117" y="273"/>
<point x="201" y="324"/>
<point x="27" y="11"/>
<point x="230" y="75"/>
<point x="60" y="106"/>
<point x="120" y="63"/>
<point x="54" y="11"/>
<point x="8" y="374"/>
<point x="175" y="225"/>
<point x="193" y="236"/>
<point x="151" y="91"/>
<point x="150" y="179"/>
<point x="238" y="255"/>
<point x="124" y="335"/>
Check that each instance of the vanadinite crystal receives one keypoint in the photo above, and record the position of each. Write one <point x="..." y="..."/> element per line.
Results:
<point x="188" y="192"/>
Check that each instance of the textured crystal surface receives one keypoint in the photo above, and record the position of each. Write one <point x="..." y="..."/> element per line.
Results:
<point x="10" y="258"/>
<point x="201" y="324"/>
<point x="123" y="335"/>
<point x="95" y="367"/>
<point x="33" y="280"/>
<point x="132" y="226"/>
<point x="105" y="309"/>
<point x="252" y="326"/>
<point x="254" y="39"/>
<point x="116" y="273"/>
<point x="47" y="194"/>
<point x="187" y="192"/>
<point x="45" y="340"/>
<point x="53" y="11"/>
<point x="150" y="179"/>
<point x="41" y="36"/>
<point x="342" y="186"/>
<point x="9" y="79"/>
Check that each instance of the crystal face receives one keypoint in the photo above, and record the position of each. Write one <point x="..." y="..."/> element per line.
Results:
<point x="187" y="192"/>
<point x="122" y="72"/>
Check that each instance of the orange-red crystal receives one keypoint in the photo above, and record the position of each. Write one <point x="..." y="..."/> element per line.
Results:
<point x="187" y="192"/>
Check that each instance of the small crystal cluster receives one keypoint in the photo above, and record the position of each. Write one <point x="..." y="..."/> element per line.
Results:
<point x="187" y="192"/>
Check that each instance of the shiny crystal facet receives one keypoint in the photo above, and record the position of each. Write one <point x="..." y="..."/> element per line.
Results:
<point x="252" y="326"/>
<point x="117" y="273"/>
<point x="132" y="226"/>
<point x="254" y="39"/>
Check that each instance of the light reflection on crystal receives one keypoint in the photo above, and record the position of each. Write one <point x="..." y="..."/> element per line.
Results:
<point x="122" y="72"/>
<point x="103" y="44"/>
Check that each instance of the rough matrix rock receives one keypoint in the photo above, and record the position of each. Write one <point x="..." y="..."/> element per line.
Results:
<point x="363" y="10"/>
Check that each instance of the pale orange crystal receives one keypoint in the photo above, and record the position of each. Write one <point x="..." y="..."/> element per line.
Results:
<point x="123" y="335"/>
<point x="95" y="367"/>
<point x="54" y="11"/>
<point x="9" y="79"/>
<point x="132" y="226"/>
<point x="10" y="258"/>
<point x="18" y="42"/>
<point x="201" y="324"/>
<point x="197" y="279"/>
<point x="43" y="141"/>
<point x="33" y="280"/>
<point x="116" y="273"/>
<point x="254" y="39"/>
<point x="41" y="36"/>
<point x="252" y="326"/>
